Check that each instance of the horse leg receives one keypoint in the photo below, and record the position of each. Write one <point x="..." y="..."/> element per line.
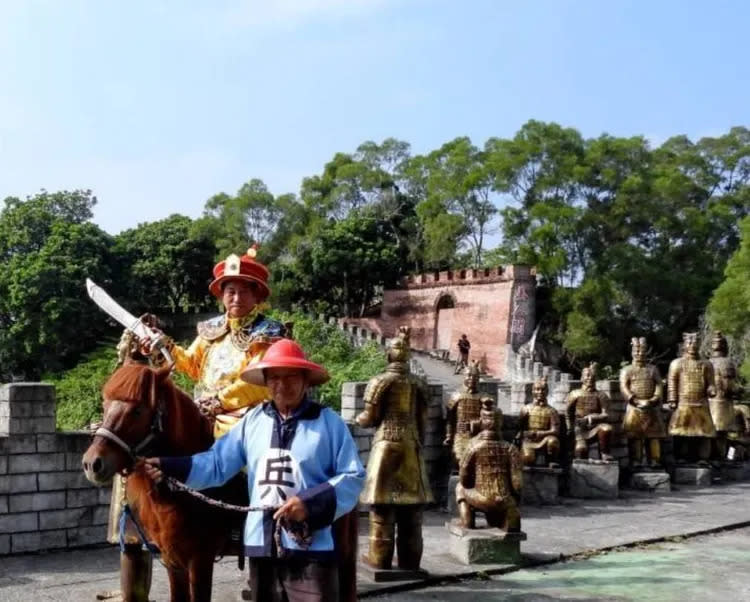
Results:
<point x="200" y="575"/>
<point x="179" y="587"/>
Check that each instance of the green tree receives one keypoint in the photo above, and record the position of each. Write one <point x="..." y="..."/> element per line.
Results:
<point x="168" y="266"/>
<point x="47" y="250"/>
<point x="729" y="309"/>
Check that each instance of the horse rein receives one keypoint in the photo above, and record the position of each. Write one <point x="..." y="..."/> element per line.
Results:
<point x="299" y="532"/>
<point x="156" y="429"/>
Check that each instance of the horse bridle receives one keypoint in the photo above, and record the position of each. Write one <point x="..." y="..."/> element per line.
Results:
<point x="157" y="428"/>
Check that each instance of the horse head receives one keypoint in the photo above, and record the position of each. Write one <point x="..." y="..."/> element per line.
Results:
<point x="135" y="405"/>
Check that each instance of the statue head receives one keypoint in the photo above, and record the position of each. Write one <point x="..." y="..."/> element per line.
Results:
<point x="539" y="391"/>
<point x="398" y="348"/>
<point x="489" y="418"/>
<point x="471" y="378"/>
<point x="638" y="348"/>
<point x="690" y="344"/>
<point x="719" y="344"/>
<point x="588" y="376"/>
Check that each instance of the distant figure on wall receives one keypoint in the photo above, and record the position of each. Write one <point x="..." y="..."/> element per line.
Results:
<point x="463" y="353"/>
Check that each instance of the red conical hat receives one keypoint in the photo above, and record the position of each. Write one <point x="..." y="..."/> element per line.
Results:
<point x="285" y="354"/>
<point x="241" y="268"/>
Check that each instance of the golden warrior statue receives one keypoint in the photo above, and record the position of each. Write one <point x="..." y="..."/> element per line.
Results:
<point x="396" y="486"/>
<point x="641" y="387"/>
<point x="463" y="410"/>
<point x="727" y="390"/>
<point x="691" y="383"/>
<point x="490" y="477"/>
<point x="539" y="430"/>
<point x="587" y="415"/>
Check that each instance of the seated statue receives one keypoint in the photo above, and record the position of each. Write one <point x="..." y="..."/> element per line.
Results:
<point x="587" y="415"/>
<point x="539" y="430"/>
<point x="463" y="411"/>
<point x="739" y="437"/>
<point x="489" y="478"/>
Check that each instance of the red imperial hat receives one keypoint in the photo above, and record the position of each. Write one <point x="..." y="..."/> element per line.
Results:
<point x="241" y="268"/>
<point x="285" y="354"/>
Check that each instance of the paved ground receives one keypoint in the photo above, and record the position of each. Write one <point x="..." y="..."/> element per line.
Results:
<point x="439" y="373"/>
<point x="712" y="567"/>
<point x="575" y="527"/>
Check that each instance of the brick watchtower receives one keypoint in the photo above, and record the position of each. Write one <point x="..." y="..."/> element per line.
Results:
<point x="493" y="307"/>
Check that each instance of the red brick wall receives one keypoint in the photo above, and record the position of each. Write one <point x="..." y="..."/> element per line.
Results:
<point x="483" y="305"/>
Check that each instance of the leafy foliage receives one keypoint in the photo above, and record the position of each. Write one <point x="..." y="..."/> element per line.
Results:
<point x="331" y="348"/>
<point x="160" y="260"/>
<point x="47" y="249"/>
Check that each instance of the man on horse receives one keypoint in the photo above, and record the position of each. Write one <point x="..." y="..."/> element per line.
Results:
<point x="303" y="470"/>
<point x="227" y="344"/>
<point x="224" y="347"/>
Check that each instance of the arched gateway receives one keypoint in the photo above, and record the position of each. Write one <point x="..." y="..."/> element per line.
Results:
<point x="493" y="307"/>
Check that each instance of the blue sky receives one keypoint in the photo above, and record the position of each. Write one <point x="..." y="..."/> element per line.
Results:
<point x="157" y="105"/>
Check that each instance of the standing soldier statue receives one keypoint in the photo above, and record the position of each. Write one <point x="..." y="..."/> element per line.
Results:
<point x="463" y="410"/>
<point x="396" y="486"/>
<point x="642" y="389"/>
<point x="490" y="477"/>
<point x="691" y="383"/>
<point x="727" y="390"/>
<point x="587" y="415"/>
<point x="539" y="430"/>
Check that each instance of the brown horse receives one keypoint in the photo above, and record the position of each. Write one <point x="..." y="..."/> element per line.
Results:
<point x="146" y="414"/>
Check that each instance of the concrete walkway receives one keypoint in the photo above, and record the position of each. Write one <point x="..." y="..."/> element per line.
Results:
<point x="439" y="373"/>
<point x="576" y="527"/>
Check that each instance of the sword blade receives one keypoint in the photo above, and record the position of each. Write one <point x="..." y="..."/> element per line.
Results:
<point x="116" y="311"/>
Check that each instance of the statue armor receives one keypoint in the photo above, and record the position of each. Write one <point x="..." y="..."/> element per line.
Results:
<point x="641" y="387"/>
<point x="539" y="416"/>
<point x="490" y="477"/>
<point x="463" y="410"/>
<point x="689" y="381"/>
<point x="587" y="415"/>
<point x="586" y="404"/>
<point x="727" y="388"/>
<point x="396" y="486"/>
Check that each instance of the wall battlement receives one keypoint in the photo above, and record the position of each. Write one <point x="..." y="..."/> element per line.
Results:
<point x="466" y="276"/>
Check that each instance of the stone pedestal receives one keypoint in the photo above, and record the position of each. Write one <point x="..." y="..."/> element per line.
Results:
<point x="451" y="504"/>
<point x="655" y="482"/>
<point x="734" y="471"/>
<point x="693" y="475"/>
<point x="541" y="485"/>
<point x="594" y="479"/>
<point x="484" y="546"/>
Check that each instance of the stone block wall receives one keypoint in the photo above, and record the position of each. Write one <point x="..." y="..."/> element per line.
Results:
<point x="437" y="458"/>
<point x="46" y="503"/>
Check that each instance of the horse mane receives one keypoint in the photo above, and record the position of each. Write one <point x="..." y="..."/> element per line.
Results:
<point x="186" y="430"/>
<point x="130" y="382"/>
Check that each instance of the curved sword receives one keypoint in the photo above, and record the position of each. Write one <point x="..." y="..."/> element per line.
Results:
<point x="117" y="312"/>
